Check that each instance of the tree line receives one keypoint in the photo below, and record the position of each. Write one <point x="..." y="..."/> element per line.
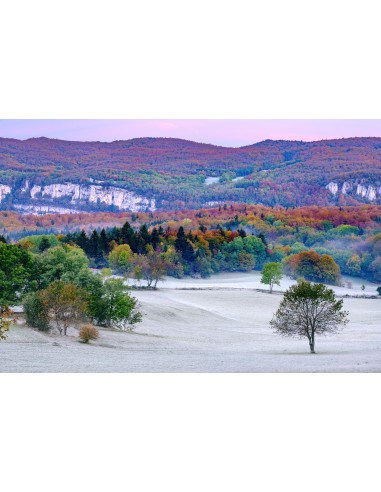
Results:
<point x="150" y="253"/>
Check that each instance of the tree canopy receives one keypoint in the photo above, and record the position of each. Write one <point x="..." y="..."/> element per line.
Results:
<point x="272" y="274"/>
<point x="114" y="306"/>
<point x="313" y="266"/>
<point x="18" y="273"/>
<point x="307" y="310"/>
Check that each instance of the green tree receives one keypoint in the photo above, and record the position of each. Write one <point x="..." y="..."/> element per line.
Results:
<point x="307" y="310"/>
<point x="104" y="243"/>
<point x="297" y="248"/>
<point x="327" y="225"/>
<point x="257" y="247"/>
<point x="184" y="246"/>
<point x="94" y="250"/>
<point x="246" y="261"/>
<point x="127" y="233"/>
<point x="120" y="258"/>
<point x="345" y="230"/>
<point x="36" y="311"/>
<point x="64" y="263"/>
<point x="38" y="243"/>
<point x="272" y="274"/>
<point x="173" y="260"/>
<point x="138" y="273"/>
<point x="202" y="265"/>
<point x="115" y="307"/>
<point x="18" y="273"/>
<point x="353" y="265"/>
<point x="44" y="244"/>
<point x="277" y="254"/>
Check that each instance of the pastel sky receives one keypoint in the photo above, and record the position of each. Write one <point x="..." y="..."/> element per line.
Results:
<point x="232" y="133"/>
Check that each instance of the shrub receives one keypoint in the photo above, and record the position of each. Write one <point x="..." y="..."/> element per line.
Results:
<point x="87" y="333"/>
<point x="5" y="322"/>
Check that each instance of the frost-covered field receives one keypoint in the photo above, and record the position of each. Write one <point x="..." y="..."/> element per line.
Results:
<point x="252" y="280"/>
<point x="219" y="325"/>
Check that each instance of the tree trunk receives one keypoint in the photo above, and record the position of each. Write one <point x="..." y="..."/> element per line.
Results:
<point x="271" y="288"/>
<point x="312" y="346"/>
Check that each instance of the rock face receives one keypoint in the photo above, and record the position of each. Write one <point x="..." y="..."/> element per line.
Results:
<point x="78" y="195"/>
<point x="370" y="192"/>
<point x="4" y="191"/>
<point x="333" y="188"/>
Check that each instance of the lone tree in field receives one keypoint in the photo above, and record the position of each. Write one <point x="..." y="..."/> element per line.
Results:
<point x="272" y="274"/>
<point x="308" y="310"/>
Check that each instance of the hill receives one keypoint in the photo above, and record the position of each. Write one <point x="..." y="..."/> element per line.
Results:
<point x="146" y="174"/>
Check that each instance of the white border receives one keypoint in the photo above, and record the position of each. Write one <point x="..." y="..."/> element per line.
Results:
<point x="200" y="59"/>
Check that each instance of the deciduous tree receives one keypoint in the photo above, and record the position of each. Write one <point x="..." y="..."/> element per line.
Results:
<point x="63" y="263"/>
<point x="313" y="266"/>
<point x="115" y="307"/>
<point x="36" y="311"/>
<point x="272" y="274"/>
<point x="307" y="310"/>
<point x="66" y="304"/>
<point x="120" y="258"/>
<point x="152" y="267"/>
<point x="17" y="273"/>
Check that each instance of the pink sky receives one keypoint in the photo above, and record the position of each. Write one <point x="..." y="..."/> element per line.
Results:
<point x="232" y="133"/>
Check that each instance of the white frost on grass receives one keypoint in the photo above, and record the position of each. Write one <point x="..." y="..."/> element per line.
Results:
<point x="216" y="328"/>
<point x="252" y="280"/>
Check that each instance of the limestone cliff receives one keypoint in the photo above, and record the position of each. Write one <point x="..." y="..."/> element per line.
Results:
<point x="370" y="192"/>
<point x="4" y="191"/>
<point x="77" y="195"/>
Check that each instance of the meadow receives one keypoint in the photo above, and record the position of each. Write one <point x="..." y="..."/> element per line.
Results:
<point x="220" y="324"/>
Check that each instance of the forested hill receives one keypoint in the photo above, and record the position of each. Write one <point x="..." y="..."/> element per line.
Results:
<point x="166" y="173"/>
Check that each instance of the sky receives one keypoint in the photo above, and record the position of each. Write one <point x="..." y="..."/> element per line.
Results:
<point x="230" y="133"/>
